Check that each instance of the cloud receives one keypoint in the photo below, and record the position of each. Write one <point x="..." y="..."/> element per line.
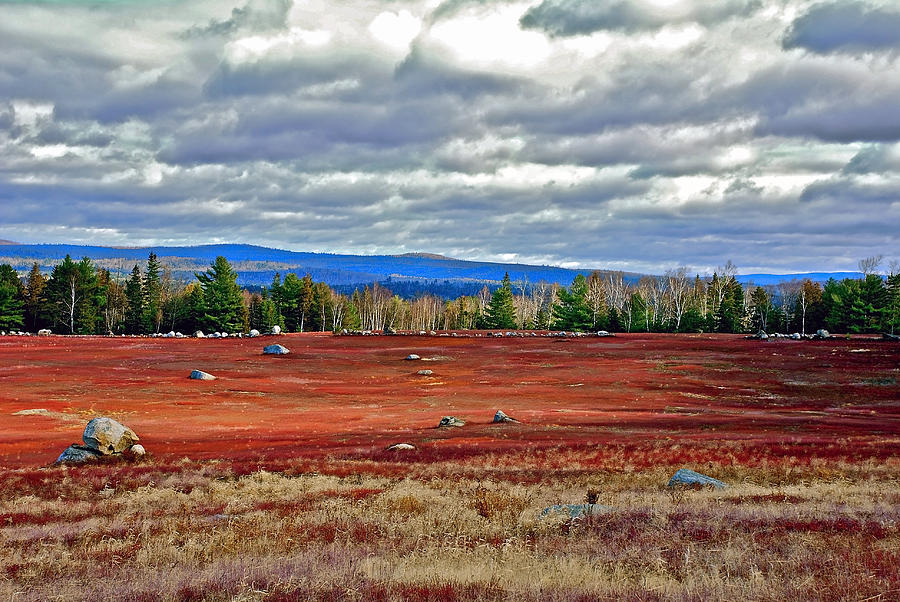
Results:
<point x="580" y="17"/>
<point x="845" y="27"/>
<point x="256" y="15"/>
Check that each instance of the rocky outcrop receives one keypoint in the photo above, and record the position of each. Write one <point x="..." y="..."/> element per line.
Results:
<point x="108" y="436"/>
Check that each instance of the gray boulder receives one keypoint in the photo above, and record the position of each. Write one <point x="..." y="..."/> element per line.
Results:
<point x="890" y="337"/>
<point x="424" y="372"/>
<point x="576" y="510"/>
<point x="822" y="334"/>
<point x="501" y="416"/>
<point x="683" y="476"/>
<point x="276" y="329"/>
<point x="108" y="436"/>
<point x="275" y="350"/>
<point x="199" y="335"/>
<point x="761" y="335"/>
<point x="78" y="454"/>
<point x="448" y="421"/>
<point x="201" y="375"/>
<point x="412" y="357"/>
<point x="253" y="333"/>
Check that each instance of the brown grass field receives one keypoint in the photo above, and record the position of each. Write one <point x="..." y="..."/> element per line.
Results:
<point x="273" y="482"/>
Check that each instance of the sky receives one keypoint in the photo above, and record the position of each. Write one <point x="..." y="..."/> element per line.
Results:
<point x="623" y="134"/>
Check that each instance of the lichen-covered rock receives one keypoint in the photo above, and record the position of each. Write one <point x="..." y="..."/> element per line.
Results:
<point x="108" y="436"/>
<point x="501" y="417"/>
<point x="576" y="510"/>
<point x="78" y="454"/>
<point x="275" y="350"/>
<point x="448" y="421"/>
<point x="683" y="476"/>
<point x="201" y="375"/>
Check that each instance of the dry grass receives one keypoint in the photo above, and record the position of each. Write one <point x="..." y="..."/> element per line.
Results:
<point x="432" y="531"/>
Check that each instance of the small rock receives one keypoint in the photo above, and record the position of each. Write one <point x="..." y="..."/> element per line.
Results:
<point x="199" y="335"/>
<point x="603" y="333"/>
<point x="424" y="372"/>
<point x="44" y="332"/>
<point x="275" y="350"/>
<point x="448" y="421"/>
<point x="137" y="450"/>
<point x="276" y="329"/>
<point x="201" y="375"/>
<point x="822" y="334"/>
<point x="761" y="335"/>
<point x="501" y="416"/>
<point x="683" y="476"/>
<point x="78" y="454"/>
<point x="401" y="447"/>
<point x="253" y="333"/>
<point x="108" y="436"/>
<point x="796" y="336"/>
<point x="412" y="357"/>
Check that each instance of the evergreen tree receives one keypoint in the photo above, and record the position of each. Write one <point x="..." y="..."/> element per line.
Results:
<point x="134" y="294"/>
<point x="152" y="295"/>
<point x="224" y="305"/>
<point x="892" y="303"/>
<point x="12" y="299"/>
<point x="501" y="313"/>
<point x="35" y="307"/>
<point x="573" y="312"/>
<point x="72" y="295"/>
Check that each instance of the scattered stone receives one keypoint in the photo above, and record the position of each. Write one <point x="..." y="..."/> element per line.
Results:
<point x="275" y="350"/>
<point x="137" y="450"/>
<point x="412" y="357"/>
<point x="761" y="335"/>
<point x="199" y="335"/>
<point x="424" y="372"/>
<point x="276" y="329"/>
<point x="448" y="421"/>
<point x="78" y="454"/>
<point x="501" y="416"/>
<point x="683" y="476"/>
<point x="822" y="334"/>
<point x="201" y="375"/>
<point x="253" y="333"/>
<point x="401" y="447"/>
<point x="44" y="332"/>
<point x="108" y="436"/>
<point x="576" y="510"/>
<point x="389" y="331"/>
<point x="604" y="333"/>
<point x="796" y="336"/>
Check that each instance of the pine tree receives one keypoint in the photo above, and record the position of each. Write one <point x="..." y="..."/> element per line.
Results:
<point x="224" y="304"/>
<point x="134" y="293"/>
<point x="501" y="312"/>
<point x="12" y="299"/>
<point x="573" y="312"/>
<point x="35" y="308"/>
<point x="152" y="295"/>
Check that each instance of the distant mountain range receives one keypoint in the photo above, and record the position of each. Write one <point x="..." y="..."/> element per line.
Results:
<point x="256" y="266"/>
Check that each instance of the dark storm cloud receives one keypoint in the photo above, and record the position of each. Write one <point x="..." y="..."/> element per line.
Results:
<point x="845" y="27"/>
<point x="579" y="17"/>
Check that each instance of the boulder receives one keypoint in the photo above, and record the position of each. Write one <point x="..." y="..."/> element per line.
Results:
<point x="253" y="333"/>
<point x="603" y="333"/>
<point x="199" y="335"/>
<point x="761" y="335"/>
<point x="78" y="454"/>
<point x="576" y="510"/>
<point x="501" y="416"/>
<point x="412" y="357"/>
<point x="276" y="329"/>
<point x="822" y="334"/>
<point x="137" y="450"/>
<point x="683" y="476"/>
<point x="201" y="375"/>
<point x="424" y="372"/>
<point x="796" y="336"/>
<point x="275" y="350"/>
<point x="44" y="332"/>
<point x="448" y="421"/>
<point x="401" y="447"/>
<point x="108" y="436"/>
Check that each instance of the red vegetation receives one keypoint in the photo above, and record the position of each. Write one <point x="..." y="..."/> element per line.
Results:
<point x="655" y="399"/>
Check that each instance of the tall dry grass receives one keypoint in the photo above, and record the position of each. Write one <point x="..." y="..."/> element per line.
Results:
<point x="458" y="529"/>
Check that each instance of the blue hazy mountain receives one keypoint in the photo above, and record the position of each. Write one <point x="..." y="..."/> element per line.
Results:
<point x="411" y="273"/>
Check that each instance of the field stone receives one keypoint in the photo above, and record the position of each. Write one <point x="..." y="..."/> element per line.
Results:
<point x="253" y="333"/>
<point x="448" y="421"/>
<point x="424" y="372"/>
<point x="201" y="375"/>
<point x="275" y="350"/>
<point x="683" y="476"/>
<point x="137" y="450"/>
<point x="412" y="357"/>
<point x="576" y="510"/>
<point x="108" y="436"/>
<point x="501" y="416"/>
<point x="78" y="454"/>
<point x="276" y="329"/>
<point x="401" y="447"/>
<point x="199" y="335"/>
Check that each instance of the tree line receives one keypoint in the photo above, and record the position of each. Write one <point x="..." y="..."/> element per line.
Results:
<point x="77" y="297"/>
